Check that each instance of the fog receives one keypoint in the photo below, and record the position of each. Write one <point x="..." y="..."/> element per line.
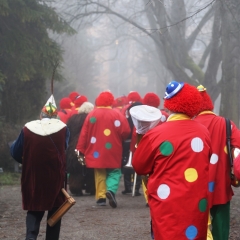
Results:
<point x="136" y="45"/>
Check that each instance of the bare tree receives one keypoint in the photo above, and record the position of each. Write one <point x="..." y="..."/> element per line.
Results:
<point x="175" y="28"/>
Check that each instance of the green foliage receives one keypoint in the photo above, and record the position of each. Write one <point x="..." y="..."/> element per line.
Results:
<point x="7" y="178"/>
<point x="27" y="55"/>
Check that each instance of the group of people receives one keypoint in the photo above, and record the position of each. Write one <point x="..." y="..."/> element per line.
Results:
<point x="184" y="157"/>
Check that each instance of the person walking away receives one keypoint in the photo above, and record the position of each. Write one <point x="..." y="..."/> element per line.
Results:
<point x="100" y="141"/>
<point x="79" y="177"/>
<point x="128" y="172"/>
<point x="65" y="109"/>
<point x="40" y="148"/>
<point x="176" y="156"/>
<point x="133" y="99"/>
<point x="220" y="182"/>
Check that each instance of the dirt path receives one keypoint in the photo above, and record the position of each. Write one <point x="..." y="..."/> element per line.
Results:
<point x="130" y="220"/>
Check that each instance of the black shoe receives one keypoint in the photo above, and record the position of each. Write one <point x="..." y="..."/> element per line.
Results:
<point x="111" y="197"/>
<point x="126" y="192"/>
<point x="101" y="202"/>
<point x="147" y="205"/>
<point x="137" y="194"/>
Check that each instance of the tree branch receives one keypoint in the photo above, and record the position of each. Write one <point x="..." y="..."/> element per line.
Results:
<point x="192" y="37"/>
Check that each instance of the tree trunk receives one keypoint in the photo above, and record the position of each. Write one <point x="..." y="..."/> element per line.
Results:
<point x="231" y="60"/>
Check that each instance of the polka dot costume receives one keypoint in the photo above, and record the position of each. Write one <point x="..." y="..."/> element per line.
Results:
<point x="101" y="138"/>
<point x="219" y="168"/>
<point x="177" y="156"/>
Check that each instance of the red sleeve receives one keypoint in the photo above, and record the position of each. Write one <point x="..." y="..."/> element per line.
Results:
<point x="143" y="158"/>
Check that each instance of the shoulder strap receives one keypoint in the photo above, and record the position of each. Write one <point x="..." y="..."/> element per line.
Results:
<point x="229" y="133"/>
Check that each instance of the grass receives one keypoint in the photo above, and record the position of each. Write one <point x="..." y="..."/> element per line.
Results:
<point x="8" y="178"/>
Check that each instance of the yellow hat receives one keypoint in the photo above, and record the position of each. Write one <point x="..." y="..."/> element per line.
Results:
<point x="201" y="88"/>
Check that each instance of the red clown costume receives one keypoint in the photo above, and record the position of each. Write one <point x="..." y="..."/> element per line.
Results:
<point x="219" y="171"/>
<point x="104" y="128"/>
<point x="65" y="109"/>
<point x="80" y="99"/>
<point x="120" y="102"/>
<point x="100" y="141"/>
<point x="132" y="97"/>
<point x="73" y="96"/>
<point x="176" y="156"/>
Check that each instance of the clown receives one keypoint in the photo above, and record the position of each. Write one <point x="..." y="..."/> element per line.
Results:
<point x="100" y="141"/>
<point x="65" y="109"/>
<point x="176" y="156"/>
<point x="220" y="183"/>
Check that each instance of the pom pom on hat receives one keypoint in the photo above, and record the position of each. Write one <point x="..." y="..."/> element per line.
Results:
<point x="73" y="96"/>
<point x="50" y="108"/>
<point x="207" y="103"/>
<point x="186" y="99"/>
<point x="151" y="99"/>
<point x="105" y="99"/>
<point x="134" y="97"/>
<point x="65" y="103"/>
<point x="86" y="107"/>
<point x="80" y="100"/>
<point x="120" y="102"/>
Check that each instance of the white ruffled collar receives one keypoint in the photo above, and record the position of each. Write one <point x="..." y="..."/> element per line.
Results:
<point x="45" y="127"/>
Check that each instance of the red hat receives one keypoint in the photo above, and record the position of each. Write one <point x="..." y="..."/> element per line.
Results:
<point x="182" y="98"/>
<point x="73" y="96"/>
<point x="134" y="97"/>
<point x="80" y="100"/>
<point x="207" y="103"/>
<point x="65" y="103"/>
<point x="151" y="99"/>
<point x="105" y="99"/>
<point x="120" y="102"/>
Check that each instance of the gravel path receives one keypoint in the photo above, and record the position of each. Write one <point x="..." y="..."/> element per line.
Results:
<point x="130" y="220"/>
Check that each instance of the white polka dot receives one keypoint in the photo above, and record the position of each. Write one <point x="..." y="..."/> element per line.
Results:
<point x="117" y="123"/>
<point x="197" y="144"/>
<point x="93" y="140"/>
<point x="172" y="85"/>
<point x="163" y="191"/>
<point x="214" y="158"/>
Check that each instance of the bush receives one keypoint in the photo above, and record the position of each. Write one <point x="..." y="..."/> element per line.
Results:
<point x="7" y="178"/>
<point x="8" y="133"/>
